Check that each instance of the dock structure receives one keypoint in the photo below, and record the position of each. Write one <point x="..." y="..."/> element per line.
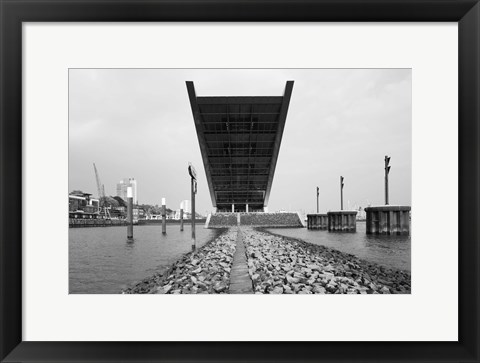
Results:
<point x="317" y="221"/>
<point x="388" y="219"/>
<point x="239" y="139"/>
<point x="342" y="221"/>
<point x="240" y="282"/>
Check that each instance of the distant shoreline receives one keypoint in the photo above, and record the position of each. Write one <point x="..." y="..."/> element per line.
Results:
<point x="95" y="223"/>
<point x="171" y="221"/>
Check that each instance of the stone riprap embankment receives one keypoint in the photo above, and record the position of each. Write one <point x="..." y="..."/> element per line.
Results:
<point x="206" y="271"/>
<point x="280" y="265"/>
<point x="222" y="220"/>
<point x="272" y="220"/>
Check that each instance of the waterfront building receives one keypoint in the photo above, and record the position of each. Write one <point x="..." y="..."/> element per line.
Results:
<point x="240" y="140"/>
<point x="122" y="186"/>
<point x="79" y="201"/>
<point x="82" y="205"/>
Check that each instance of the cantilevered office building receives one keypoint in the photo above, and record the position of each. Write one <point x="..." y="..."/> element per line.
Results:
<point x="240" y="140"/>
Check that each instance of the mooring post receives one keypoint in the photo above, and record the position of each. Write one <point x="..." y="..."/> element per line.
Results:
<point x="318" y="193"/>
<point x="387" y="170"/>
<point x="164" y="217"/>
<point x="129" y="213"/>
<point x="194" y="190"/>
<point x="181" y="216"/>
<point x="341" y="192"/>
<point x="193" y="177"/>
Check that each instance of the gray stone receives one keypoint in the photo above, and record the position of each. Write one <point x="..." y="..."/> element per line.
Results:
<point x="277" y="290"/>
<point x="319" y="290"/>
<point x="220" y="287"/>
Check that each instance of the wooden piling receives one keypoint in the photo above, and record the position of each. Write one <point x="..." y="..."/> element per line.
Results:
<point x="164" y="217"/>
<point x="181" y="216"/>
<point x="129" y="213"/>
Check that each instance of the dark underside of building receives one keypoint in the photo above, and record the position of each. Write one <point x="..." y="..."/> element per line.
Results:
<point x="240" y="140"/>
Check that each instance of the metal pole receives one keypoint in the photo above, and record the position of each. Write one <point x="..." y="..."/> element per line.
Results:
<point x="194" y="242"/>
<point x="386" y="189"/>
<point x="129" y="214"/>
<point x="164" y="217"/>
<point x="341" y="193"/>
<point x="181" y="216"/>
<point x="318" y="193"/>
<point x="387" y="170"/>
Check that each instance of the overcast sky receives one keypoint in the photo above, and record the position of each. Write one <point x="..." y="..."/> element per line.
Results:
<point x="137" y="123"/>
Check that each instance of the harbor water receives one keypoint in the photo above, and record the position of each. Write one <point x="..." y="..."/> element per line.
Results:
<point x="390" y="251"/>
<point x="102" y="261"/>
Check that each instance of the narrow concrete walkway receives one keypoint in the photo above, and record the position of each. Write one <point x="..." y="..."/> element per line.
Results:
<point x="240" y="282"/>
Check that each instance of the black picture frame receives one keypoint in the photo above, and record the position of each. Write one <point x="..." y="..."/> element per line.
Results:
<point x="14" y="12"/>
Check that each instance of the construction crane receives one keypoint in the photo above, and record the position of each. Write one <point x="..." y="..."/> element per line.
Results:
<point x="101" y="195"/>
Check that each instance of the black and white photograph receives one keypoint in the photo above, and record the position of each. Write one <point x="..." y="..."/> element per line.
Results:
<point x="240" y="151"/>
<point x="240" y="181"/>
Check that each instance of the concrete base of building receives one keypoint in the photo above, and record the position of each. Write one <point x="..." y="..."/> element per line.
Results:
<point x="388" y="219"/>
<point x="342" y="221"/>
<point x="317" y="221"/>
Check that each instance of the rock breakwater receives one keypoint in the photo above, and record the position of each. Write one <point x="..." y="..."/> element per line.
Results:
<point x="280" y="265"/>
<point x="206" y="271"/>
